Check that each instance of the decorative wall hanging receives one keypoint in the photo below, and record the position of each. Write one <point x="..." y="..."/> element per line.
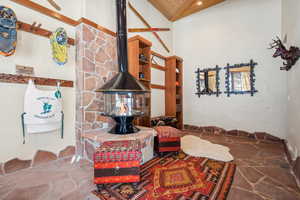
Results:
<point x="42" y="110"/>
<point x="8" y="32"/>
<point x="240" y="78"/>
<point x="291" y="56"/>
<point x="208" y="81"/>
<point x="59" y="41"/>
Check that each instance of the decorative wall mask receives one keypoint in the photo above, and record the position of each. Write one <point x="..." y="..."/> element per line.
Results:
<point x="240" y="78"/>
<point x="291" y="56"/>
<point x="8" y="32"/>
<point x="59" y="42"/>
<point x="208" y="81"/>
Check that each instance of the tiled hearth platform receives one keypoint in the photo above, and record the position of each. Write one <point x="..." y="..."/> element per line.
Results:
<point x="263" y="173"/>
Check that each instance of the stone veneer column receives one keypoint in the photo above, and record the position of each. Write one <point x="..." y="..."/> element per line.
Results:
<point x="96" y="63"/>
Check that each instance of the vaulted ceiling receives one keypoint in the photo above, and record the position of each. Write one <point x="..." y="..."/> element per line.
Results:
<point x="177" y="9"/>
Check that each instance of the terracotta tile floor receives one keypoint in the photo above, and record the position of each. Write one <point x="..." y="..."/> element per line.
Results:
<point x="262" y="174"/>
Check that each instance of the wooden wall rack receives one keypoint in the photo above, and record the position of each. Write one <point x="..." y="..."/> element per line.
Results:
<point x="51" y="13"/>
<point x="13" y="78"/>
<point x="62" y="18"/>
<point x="37" y="30"/>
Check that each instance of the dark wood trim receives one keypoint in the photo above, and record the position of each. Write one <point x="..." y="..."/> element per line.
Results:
<point x="134" y="30"/>
<point x="159" y="67"/>
<point x="160" y="87"/>
<point x="39" y="31"/>
<point x="12" y="78"/>
<point x="97" y="26"/>
<point x="158" y="55"/>
<point x="46" y="11"/>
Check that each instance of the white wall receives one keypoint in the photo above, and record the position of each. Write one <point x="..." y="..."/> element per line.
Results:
<point x="35" y="51"/>
<point x="291" y="28"/>
<point x="233" y="32"/>
<point x="103" y="12"/>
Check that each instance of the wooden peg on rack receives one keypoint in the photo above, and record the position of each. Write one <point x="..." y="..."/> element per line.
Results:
<point x="32" y="26"/>
<point x="35" y="28"/>
<point x="39" y="26"/>
<point x="39" y="31"/>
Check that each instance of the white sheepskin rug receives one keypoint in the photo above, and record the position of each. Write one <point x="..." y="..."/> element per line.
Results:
<point x="195" y="146"/>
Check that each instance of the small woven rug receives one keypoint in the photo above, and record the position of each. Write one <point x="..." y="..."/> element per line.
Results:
<point x="173" y="177"/>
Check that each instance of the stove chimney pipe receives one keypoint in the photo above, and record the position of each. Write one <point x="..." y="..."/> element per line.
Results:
<point x="122" y="35"/>
<point x="123" y="81"/>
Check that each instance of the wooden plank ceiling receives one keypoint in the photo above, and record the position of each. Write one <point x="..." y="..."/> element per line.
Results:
<point x="177" y="9"/>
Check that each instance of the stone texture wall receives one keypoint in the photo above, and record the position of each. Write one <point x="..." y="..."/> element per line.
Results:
<point x="96" y="63"/>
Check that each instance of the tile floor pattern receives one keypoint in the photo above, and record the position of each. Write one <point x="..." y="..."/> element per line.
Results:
<point x="263" y="173"/>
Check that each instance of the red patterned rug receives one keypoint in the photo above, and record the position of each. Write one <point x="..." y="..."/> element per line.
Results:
<point x="179" y="177"/>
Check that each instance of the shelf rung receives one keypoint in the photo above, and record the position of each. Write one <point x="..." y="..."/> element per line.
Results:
<point x="159" y="67"/>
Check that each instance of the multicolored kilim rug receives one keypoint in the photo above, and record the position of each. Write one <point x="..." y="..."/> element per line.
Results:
<point x="173" y="177"/>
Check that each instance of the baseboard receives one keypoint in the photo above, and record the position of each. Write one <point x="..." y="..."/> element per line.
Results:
<point x="240" y="133"/>
<point x="40" y="157"/>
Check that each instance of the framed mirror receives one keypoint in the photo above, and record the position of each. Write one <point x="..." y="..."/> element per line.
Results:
<point x="208" y="81"/>
<point x="240" y="79"/>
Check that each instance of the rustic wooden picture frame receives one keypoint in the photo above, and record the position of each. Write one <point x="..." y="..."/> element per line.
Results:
<point x="252" y="90"/>
<point x="198" y="82"/>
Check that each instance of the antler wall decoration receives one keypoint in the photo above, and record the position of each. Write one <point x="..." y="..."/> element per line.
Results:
<point x="291" y="56"/>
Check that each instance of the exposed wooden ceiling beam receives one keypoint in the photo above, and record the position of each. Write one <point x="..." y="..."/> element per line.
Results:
<point x="148" y="25"/>
<point x="188" y="4"/>
<point x="134" y="30"/>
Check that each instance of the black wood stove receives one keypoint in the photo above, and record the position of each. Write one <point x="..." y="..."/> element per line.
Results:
<point x="124" y="96"/>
